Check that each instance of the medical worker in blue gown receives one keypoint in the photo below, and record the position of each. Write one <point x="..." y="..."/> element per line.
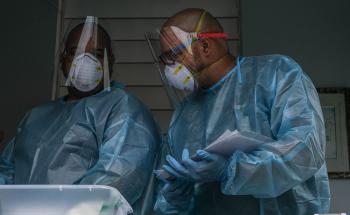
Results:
<point x="269" y="95"/>
<point x="97" y="134"/>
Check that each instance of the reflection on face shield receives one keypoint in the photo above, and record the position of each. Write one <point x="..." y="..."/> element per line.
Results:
<point x="169" y="58"/>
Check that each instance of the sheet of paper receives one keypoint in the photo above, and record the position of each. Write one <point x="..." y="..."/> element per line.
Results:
<point x="231" y="141"/>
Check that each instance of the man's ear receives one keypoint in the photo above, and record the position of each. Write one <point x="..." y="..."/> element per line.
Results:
<point x="62" y="59"/>
<point x="205" y="46"/>
<point x="63" y="56"/>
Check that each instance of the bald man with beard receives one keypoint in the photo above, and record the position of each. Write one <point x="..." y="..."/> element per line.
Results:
<point x="268" y="95"/>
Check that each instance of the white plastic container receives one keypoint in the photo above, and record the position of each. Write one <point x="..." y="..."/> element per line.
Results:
<point x="62" y="200"/>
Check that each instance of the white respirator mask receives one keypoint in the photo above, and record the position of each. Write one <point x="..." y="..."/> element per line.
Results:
<point x="180" y="77"/>
<point x="86" y="72"/>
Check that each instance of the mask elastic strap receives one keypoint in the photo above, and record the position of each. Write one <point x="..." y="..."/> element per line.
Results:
<point x="209" y="34"/>
<point x="199" y="24"/>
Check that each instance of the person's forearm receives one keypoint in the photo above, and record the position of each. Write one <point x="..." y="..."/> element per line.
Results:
<point x="273" y="170"/>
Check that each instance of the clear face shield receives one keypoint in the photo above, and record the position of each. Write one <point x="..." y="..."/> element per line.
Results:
<point x="86" y="59"/>
<point x="171" y="48"/>
<point x="177" y="80"/>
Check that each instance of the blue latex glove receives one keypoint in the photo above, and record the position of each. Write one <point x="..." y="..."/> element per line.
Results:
<point x="163" y="175"/>
<point x="178" y="193"/>
<point x="209" y="167"/>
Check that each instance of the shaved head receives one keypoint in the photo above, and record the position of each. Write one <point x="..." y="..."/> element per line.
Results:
<point x="188" y="19"/>
<point x="208" y="58"/>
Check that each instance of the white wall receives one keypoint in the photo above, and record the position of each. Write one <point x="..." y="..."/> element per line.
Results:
<point x="317" y="35"/>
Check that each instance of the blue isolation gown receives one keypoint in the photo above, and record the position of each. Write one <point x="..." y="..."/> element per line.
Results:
<point x="272" y="96"/>
<point x="109" y="138"/>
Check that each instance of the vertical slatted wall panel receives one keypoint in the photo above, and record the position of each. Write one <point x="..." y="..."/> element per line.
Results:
<point x="126" y="21"/>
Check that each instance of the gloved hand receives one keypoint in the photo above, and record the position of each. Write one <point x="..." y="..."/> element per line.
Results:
<point x="209" y="167"/>
<point x="175" y="192"/>
<point x="178" y="193"/>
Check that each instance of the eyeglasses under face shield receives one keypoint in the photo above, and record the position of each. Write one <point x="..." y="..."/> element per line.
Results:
<point x="184" y="41"/>
<point x="171" y="49"/>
